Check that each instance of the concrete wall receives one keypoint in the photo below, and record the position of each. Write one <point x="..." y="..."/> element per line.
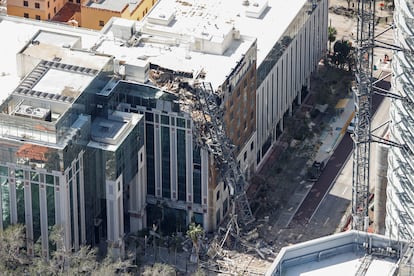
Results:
<point x="380" y="197"/>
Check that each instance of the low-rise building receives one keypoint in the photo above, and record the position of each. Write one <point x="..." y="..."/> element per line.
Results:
<point x="95" y="14"/>
<point x="347" y="253"/>
<point x="35" y="9"/>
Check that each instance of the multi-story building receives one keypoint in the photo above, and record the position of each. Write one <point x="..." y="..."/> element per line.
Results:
<point x="35" y="9"/>
<point x="95" y="14"/>
<point x="66" y="160"/>
<point x="151" y="69"/>
<point x="91" y="14"/>
<point x="283" y="73"/>
<point x="400" y="189"/>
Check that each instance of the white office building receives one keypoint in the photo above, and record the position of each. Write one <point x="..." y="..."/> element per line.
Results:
<point x="283" y="73"/>
<point x="400" y="190"/>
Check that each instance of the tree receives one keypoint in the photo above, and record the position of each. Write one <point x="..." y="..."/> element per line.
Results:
<point x="159" y="269"/>
<point x="15" y="261"/>
<point x="332" y="32"/>
<point x="195" y="232"/>
<point x="342" y="50"/>
<point x="13" y="258"/>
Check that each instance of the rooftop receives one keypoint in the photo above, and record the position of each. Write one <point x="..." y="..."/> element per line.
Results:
<point x="113" y="5"/>
<point x="265" y="20"/>
<point x="187" y="36"/>
<point x="109" y="133"/>
<point x="21" y="33"/>
<point x="67" y="12"/>
<point x="353" y="251"/>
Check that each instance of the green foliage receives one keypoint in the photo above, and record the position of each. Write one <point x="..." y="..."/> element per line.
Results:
<point x="342" y="50"/>
<point x="13" y="258"/>
<point x="194" y="232"/>
<point x="199" y="272"/>
<point x="159" y="269"/>
<point x="63" y="261"/>
<point x="332" y="32"/>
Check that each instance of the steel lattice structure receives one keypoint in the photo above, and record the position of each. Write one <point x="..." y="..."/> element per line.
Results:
<point x="222" y="149"/>
<point x="363" y="94"/>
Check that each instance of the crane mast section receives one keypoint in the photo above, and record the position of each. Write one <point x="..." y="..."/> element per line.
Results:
<point x="363" y="106"/>
<point x="223" y="150"/>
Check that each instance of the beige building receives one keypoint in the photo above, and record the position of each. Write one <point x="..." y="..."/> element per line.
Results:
<point x="91" y="14"/>
<point x="35" y="9"/>
<point x="95" y="14"/>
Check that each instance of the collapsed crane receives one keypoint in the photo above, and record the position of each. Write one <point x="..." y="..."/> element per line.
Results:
<point x="197" y="98"/>
<point x="223" y="150"/>
<point x="363" y="105"/>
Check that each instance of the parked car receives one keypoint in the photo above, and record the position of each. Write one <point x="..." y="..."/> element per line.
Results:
<point x="315" y="171"/>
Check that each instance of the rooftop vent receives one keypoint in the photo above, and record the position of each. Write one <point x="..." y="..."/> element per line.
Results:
<point x="32" y="112"/>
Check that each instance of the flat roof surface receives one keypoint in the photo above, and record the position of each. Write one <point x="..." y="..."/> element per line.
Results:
<point x="214" y="14"/>
<point x="109" y="133"/>
<point x="346" y="253"/>
<point x="67" y="56"/>
<point x="158" y="44"/>
<point x="347" y="263"/>
<point x="167" y="54"/>
<point x="17" y="32"/>
<point x="63" y="83"/>
<point x="113" y="5"/>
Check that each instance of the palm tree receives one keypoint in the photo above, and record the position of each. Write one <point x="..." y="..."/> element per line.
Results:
<point x="194" y="232"/>
<point x="331" y="36"/>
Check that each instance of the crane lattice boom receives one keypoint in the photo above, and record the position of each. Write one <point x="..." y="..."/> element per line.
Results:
<point x="363" y="93"/>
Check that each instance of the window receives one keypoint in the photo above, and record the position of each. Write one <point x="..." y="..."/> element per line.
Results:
<point x="101" y="23"/>
<point x="180" y="122"/>
<point x="181" y="165"/>
<point x="37" y="17"/>
<point x="25" y="3"/>
<point x="165" y="161"/>
<point x="245" y="156"/>
<point x="165" y="120"/>
<point x="26" y="15"/>
<point x="48" y="4"/>
<point x="37" y="5"/>
<point x="48" y="16"/>
<point x="252" y="146"/>
<point x="54" y="10"/>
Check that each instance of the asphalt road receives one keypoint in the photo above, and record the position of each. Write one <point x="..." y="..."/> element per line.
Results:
<point x="332" y="169"/>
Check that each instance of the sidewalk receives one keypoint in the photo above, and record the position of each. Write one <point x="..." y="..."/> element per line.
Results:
<point x="330" y="140"/>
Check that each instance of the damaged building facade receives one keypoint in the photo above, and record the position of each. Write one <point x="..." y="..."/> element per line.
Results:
<point x="124" y="139"/>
